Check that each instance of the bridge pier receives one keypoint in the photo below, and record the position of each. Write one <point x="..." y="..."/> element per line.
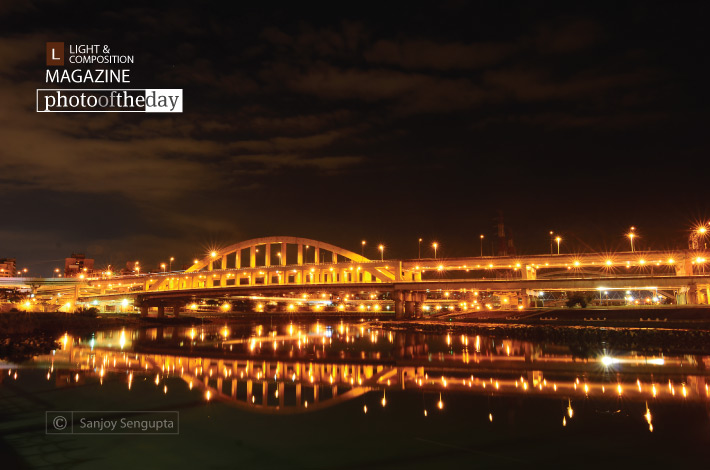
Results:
<point x="529" y="272"/>
<point x="684" y="266"/>
<point x="176" y="310"/>
<point x="525" y="298"/>
<point x="692" y="294"/>
<point x="409" y="310"/>
<point x="161" y="311"/>
<point x="408" y="304"/>
<point x="398" y="297"/>
<point x="419" y="298"/>
<point x="144" y="311"/>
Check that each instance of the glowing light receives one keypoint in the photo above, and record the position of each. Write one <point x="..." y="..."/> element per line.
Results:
<point x="608" y="361"/>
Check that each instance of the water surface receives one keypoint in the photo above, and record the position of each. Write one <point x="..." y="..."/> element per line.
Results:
<point x="350" y="395"/>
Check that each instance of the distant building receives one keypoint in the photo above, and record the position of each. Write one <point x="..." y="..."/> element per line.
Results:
<point x="504" y="245"/>
<point x="77" y="265"/>
<point x="8" y="267"/>
<point x="132" y="267"/>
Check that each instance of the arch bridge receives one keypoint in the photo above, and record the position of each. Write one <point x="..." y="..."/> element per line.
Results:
<point x="281" y="265"/>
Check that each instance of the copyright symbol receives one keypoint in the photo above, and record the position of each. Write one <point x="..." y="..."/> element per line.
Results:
<point x="59" y="423"/>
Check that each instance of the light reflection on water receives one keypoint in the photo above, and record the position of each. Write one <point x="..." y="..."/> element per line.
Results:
<point x="296" y="368"/>
<point x="371" y="394"/>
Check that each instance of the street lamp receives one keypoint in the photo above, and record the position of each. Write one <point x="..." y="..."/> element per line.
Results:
<point x="280" y="259"/>
<point x="551" y="237"/>
<point x="435" y="245"/>
<point x="162" y="265"/>
<point x="56" y="271"/>
<point x="558" y="240"/>
<point x="698" y="236"/>
<point x="171" y="263"/>
<point x="419" y="256"/>
<point x="482" y="237"/>
<point x="362" y="249"/>
<point x="382" y="252"/>
<point x="631" y="236"/>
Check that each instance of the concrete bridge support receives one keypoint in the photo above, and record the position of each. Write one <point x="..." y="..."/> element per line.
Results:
<point x="692" y="294"/>
<point x="398" y="297"/>
<point x="408" y="304"/>
<point x="529" y="272"/>
<point x="144" y="311"/>
<point x="176" y="310"/>
<point x="684" y="266"/>
<point x="161" y="311"/>
<point x="525" y="298"/>
<point x="419" y="298"/>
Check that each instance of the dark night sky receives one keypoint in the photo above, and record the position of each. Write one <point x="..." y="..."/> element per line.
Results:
<point x="366" y="121"/>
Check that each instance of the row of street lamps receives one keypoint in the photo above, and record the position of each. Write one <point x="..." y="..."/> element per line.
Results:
<point x="631" y="235"/>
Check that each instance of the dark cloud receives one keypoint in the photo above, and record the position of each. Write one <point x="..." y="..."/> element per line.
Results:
<point x="426" y="54"/>
<point x="384" y="123"/>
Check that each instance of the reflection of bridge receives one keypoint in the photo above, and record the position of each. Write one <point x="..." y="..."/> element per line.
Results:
<point x="264" y="382"/>
<point x="289" y="266"/>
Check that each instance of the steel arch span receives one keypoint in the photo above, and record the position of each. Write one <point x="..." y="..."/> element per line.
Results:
<point x="235" y="250"/>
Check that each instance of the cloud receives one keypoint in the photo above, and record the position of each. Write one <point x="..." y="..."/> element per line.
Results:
<point x="262" y="163"/>
<point x="567" y="35"/>
<point x="19" y="51"/>
<point x="535" y="84"/>
<point x="427" y="54"/>
<point x="404" y="92"/>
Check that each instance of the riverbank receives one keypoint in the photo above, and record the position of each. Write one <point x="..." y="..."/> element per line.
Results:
<point x="26" y="334"/>
<point x="668" y="317"/>
<point x="683" y="330"/>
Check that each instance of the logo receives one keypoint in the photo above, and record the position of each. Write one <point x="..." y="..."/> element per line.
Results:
<point x="55" y="53"/>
